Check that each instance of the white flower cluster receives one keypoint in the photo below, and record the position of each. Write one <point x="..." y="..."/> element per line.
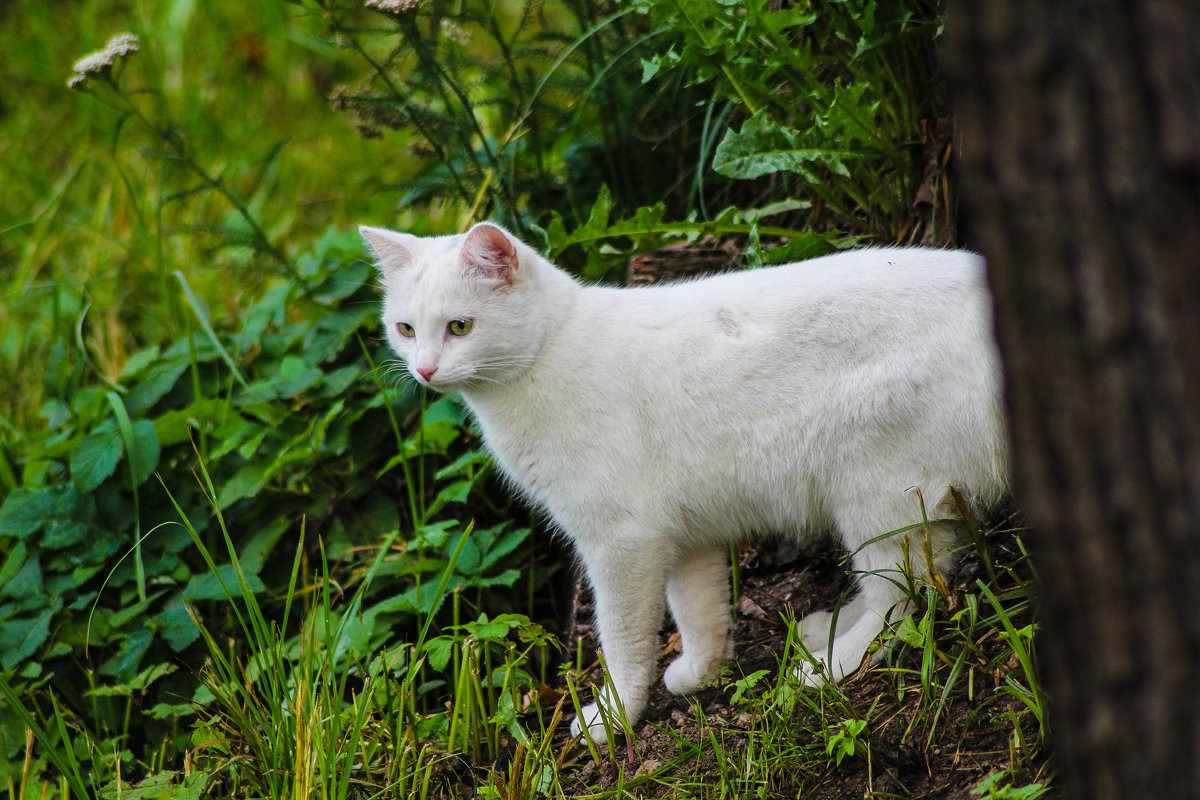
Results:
<point x="454" y="32"/>
<point x="103" y="59"/>
<point x="393" y="6"/>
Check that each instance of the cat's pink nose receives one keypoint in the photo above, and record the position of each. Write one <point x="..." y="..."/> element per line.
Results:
<point x="426" y="373"/>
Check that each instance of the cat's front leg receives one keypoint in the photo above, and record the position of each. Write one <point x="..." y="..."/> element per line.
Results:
<point x="629" y="586"/>
<point x="698" y="594"/>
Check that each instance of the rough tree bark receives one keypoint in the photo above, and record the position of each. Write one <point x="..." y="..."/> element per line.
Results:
<point x="1080" y="128"/>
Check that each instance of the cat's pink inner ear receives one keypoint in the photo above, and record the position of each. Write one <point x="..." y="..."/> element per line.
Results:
<point x="489" y="251"/>
<point x="389" y="247"/>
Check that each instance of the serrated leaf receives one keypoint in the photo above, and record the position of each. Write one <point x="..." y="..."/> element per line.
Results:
<point x="95" y="458"/>
<point x="63" y="533"/>
<point x="763" y="147"/>
<point x="13" y="562"/>
<point x="176" y="625"/>
<point x="125" y="663"/>
<point x="505" y="545"/>
<point x="439" y="650"/>
<point x="19" y="638"/>
<point x="26" y="511"/>
<point x="26" y="583"/>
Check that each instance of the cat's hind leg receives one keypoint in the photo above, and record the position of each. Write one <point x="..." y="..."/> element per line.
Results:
<point x="882" y="597"/>
<point x="698" y="594"/>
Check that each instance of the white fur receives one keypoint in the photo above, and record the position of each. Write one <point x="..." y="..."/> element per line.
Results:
<point x="655" y="425"/>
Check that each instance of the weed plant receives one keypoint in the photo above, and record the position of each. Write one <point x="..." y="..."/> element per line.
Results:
<point x="240" y="557"/>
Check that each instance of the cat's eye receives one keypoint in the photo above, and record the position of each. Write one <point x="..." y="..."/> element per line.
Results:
<point x="460" y="327"/>
<point x="406" y="330"/>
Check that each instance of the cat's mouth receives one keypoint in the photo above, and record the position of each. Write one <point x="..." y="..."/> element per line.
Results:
<point x="438" y="381"/>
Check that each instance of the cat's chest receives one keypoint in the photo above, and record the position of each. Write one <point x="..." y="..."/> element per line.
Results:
<point x="555" y="452"/>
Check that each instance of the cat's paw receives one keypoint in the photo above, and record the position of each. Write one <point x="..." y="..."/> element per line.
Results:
<point x="595" y="723"/>
<point x="814" y="631"/>
<point x="847" y="656"/>
<point x="685" y="675"/>
<point x="813" y="674"/>
<point x="682" y="676"/>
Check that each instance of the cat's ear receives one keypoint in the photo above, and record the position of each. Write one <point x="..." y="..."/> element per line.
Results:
<point x="490" y="252"/>
<point x="392" y="250"/>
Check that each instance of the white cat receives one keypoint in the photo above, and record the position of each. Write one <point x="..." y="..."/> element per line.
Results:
<point x="655" y="425"/>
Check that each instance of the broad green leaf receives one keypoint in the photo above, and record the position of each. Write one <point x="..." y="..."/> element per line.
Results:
<point x="146" y="450"/>
<point x="505" y="545"/>
<point x="125" y="663"/>
<point x="13" y="561"/>
<point x="61" y="533"/>
<point x="172" y="427"/>
<point x="295" y="376"/>
<point x="762" y="147"/>
<point x="161" y="786"/>
<point x="809" y="244"/>
<point x="176" y="625"/>
<point x="463" y="464"/>
<point x="26" y="584"/>
<point x="256" y="551"/>
<point x="157" y="381"/>
<point x="220" y="585"/>
<point x="95" y="458"/>
<point x="506" y="578"/>
<point x="250" y="478"/>
<point x="439" y="649"/>
<point x="19" y="638"/>
<point x="139" y="361"/>
<point x="340" y="380"/>
<point x="26" y="511"/>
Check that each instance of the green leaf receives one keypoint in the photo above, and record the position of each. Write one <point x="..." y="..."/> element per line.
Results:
<point x="506" y="578"/>
<point x="220" y="585"/>
<point x="439" y="649"/>
<point x="763" y="147"/>
<point x="95" y="458"/>
<point x="176" y="625"/>
<point x="26" y="583"/>
<point x="158" y="380"/>
<point x="162" y="786"/>
<point x="139" y="361"/>
<point x="63" y="533"/>
<point x="26" y="511"/>
<point x="294" y="376"/>
<point x="146" y="450"/>
<point x="19" y="638"/>
<point x="172" y="427"/>
<point x="250" y="478"/>
<point x="13" y="562"/>
<point x="463" y="464"/>
<point x="125" y="663"/>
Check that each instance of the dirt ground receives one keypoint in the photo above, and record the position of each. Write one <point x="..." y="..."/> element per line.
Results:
<point x="969" y="741"/>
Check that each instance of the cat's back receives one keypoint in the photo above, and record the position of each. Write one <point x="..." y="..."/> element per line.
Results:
<point x="854" y="278"/>
<point x="862" y="300"/>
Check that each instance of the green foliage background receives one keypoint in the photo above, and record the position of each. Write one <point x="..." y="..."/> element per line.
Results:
<point x="199" y="418"/>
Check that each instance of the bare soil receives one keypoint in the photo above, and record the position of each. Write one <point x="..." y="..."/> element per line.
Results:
<point x="971" y="739"/>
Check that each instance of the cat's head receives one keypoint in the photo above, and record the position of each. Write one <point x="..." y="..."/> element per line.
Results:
<point x="458" y="309"/>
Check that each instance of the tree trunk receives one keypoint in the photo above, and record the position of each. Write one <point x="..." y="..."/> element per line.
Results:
<point x="1080" y="131"/>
